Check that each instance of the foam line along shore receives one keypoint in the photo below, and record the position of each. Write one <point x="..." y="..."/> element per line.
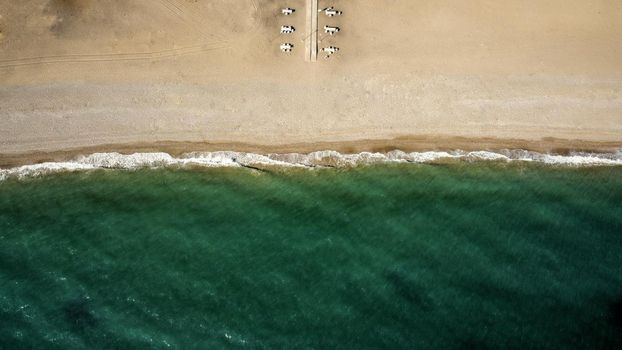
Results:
<point x="320" y="159"/>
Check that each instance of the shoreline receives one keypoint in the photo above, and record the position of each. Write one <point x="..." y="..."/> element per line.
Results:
<point x="430" y="143"/>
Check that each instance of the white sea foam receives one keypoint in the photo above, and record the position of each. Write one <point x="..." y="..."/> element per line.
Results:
<point x="311" y="160"/>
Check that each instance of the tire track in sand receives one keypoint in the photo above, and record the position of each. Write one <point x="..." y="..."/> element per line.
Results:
<point x="133" y="56"/>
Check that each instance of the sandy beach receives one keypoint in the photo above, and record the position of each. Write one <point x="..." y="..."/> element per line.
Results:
<point x="79" y="76"/>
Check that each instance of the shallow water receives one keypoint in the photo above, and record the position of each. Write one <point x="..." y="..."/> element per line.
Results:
<point x="466" y="255"/>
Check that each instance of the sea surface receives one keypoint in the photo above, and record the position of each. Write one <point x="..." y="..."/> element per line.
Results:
<point x="463" y="255"/>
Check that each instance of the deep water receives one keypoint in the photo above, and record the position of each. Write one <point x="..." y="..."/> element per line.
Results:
<point x="455" y="256"/>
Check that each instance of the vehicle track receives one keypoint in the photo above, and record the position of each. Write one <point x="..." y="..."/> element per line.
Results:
<point x="134" y="56"/>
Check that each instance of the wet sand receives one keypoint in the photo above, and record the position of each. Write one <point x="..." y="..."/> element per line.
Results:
<point x="406" y="144"/>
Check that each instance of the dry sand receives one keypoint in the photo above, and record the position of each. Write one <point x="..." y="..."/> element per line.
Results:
<point x="125" y="75"/>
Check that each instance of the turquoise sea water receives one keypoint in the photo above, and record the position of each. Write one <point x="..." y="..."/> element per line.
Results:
<point x="455" y="256"/>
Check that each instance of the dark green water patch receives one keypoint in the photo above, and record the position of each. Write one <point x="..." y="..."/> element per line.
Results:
<point x="402" y="256"/>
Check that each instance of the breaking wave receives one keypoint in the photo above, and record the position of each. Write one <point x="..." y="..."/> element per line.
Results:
<point x="320" y="159"/>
